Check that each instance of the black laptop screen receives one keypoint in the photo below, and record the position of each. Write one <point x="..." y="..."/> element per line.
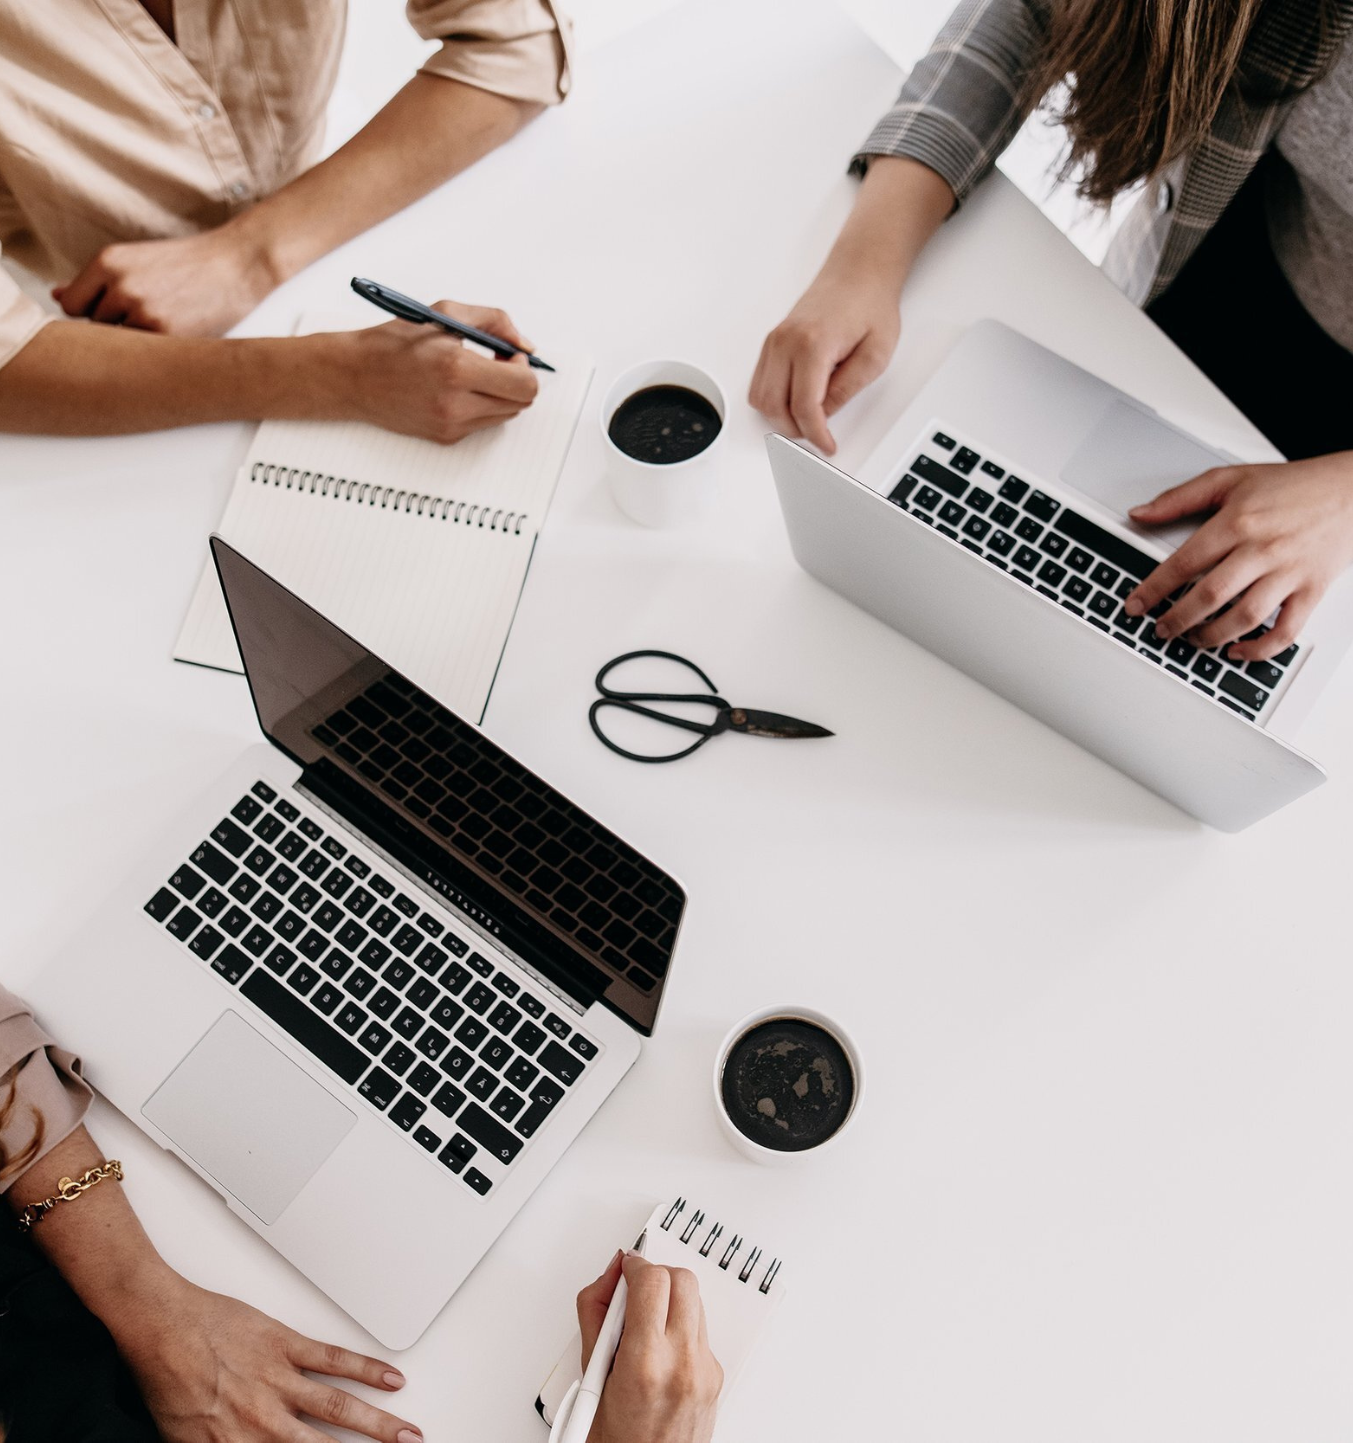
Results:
<point x="497" y="842"/>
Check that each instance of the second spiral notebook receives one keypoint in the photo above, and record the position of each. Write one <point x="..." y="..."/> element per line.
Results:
<point x="419" y="550"/>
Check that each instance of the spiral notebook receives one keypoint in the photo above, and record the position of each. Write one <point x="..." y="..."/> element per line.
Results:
<point x="418" y="550"/>
<point x="740" y="1286"/>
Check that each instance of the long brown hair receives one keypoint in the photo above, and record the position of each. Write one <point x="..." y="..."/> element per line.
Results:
<point x="1138" y="83"/>
<point x="23" y="1159"/>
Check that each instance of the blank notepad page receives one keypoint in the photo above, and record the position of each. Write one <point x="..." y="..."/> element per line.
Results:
<point x="419" y="551"/>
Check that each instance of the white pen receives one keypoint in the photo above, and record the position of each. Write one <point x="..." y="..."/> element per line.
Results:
<point x="574" y="1420"/>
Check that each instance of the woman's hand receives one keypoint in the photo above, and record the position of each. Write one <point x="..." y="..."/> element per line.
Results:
<point x="837" y="339"/>
<point x="197" y="285"/>
<point x="423" y="382"/>
<point x="664" y="1384"/>
<point x="1281" y="534"/>
<point x="844" y="330"/>
<point x="214" y="1370"/>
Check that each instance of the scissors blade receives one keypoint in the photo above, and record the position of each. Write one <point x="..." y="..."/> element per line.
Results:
<point x="772" y="724"/>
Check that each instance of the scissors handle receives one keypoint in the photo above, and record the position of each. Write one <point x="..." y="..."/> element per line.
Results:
<point x="612" y="695"/>
<point x="706" y="729"/>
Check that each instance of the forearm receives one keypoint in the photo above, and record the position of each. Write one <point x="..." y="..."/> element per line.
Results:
<point x="95" y="1241"/>
<point x="77" y="379"/>
<point x="901" y="204"/>
<point x="434" y="128"/>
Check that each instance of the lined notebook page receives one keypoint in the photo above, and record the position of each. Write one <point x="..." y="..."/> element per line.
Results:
<point x="418" y="550"/>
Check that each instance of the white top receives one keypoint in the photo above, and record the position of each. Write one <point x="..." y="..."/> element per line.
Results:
<point x="1101" y="1185"/>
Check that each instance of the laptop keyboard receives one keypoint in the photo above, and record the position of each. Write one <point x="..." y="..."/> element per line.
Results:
<point x="1051" y="547"/>
<point x="566" y="866"/>
<point x="450" y="1047"/>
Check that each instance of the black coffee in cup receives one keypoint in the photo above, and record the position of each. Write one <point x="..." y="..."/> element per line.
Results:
<point x="664" y="424"/>
<point x="787" y="1084"/>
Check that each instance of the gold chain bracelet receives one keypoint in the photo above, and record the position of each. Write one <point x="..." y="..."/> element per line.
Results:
<point x="67" y="1190"/>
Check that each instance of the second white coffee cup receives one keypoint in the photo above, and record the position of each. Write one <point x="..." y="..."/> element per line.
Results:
<point x="649" y="493"/>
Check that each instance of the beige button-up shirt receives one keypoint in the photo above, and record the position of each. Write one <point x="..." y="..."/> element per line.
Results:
<point x="110" y="131"/>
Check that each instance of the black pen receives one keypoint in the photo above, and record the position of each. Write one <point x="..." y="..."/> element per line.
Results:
<point x="407" y="309"/>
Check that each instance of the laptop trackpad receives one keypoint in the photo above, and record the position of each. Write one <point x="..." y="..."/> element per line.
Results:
<point x="1129" y="457"/>
<point x="248" y="1116"/>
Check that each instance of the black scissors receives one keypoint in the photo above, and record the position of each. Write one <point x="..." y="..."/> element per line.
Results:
<point x="726" y="718"/>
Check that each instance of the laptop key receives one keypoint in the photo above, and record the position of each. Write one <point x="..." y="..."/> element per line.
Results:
<point x="406" y="1112"/>
<point x="976" y="527"/>
<point x="457" y="1063"/>
<point x="1102" y="604"/>
<point x="351" y="1018"/>
<point x="379" y="1088"/>
<point x="1104" y="575"/>
<point x="303" y="1024"/>
<point x="422" y="994"/>
<point x="507" y="1104"/>
<point x="327" y="916"/>
<point x="407" y="940"/>
<point x="360" y="901"/>
<point x="314" y="865"/>
<point x="964" y="459"/>
<point x="1226" y="701"/>
<point x="359" y="985"/>
<point x="432" y="1043"/>
<point x="431" y="959"/>
<point x="263" y="790"/>
<point x="455" y="977"/>
<point x="270" y="828"/>
<point x="313" y="945"/>
<point x="1053" y="545"/>
<point x="279" y="959"/>
<point x="448" y="1100"/>
<point x="423" y="1078"/>
<point x="946" y="442"/>
<point x="952" y="513"/>
<point x="477" y="1181"/>
<point x="938" y="476"/>
<point x="210" y="902"/>
<point x="336" y="964"/>
<point x="259" y="860"/>
<point x="304" y="897"/>
<point x="288" y="810"/>
<point x="928" y="497"/>
<point x="583" y="1046"/>
<point x="281" y="878"/>
<point x="1052" y="573"/>
<point x="1079" y="561"/>
<point x="504" y="1017"/>
<point x="1026" y="558"/>
<point x="533" y="1006"/>
<point x="521" y="1073"/>
<point x="1077" y="588"/>
<point x="1206" y="666"/>
<point x="163" y="903"/>
<point x="495" y="1053"/>
<point x="384" y="1003"/>
<point x="326" y="998"/>
<point x="1129" y="624"/>
<point x="425" y="1137"/>
<point x="234" y="839"/>
<point x="1029" y="529"/>
<point x="234" y="922"/>
<point x="399" y="1058"/>
<point x="398" y="973"/>
<point x="566" y="1066"/>
<point x="1176" y="670"/>
<point x="214" y="863"/>
<point x="290" y="925"/>
<point x="374" y="1037"/>
<point x="529" y="1037"/>
<point x="207" y="940"/>
<point x="482" y="1083"/>
<point x="446" y="1013"/>
<point x="311" y="829"/>
<point x="408" y="1023"/>
<point x="384" y="921"/>
<point x="267" y="907"/>
<point x="231" y="963"/>
<point x="1001" y="542"/>
<point x="336" y="883"/>
<point x="257" y="940"/>
<point x="479" y="998"/>
<point x="452" y="1157"/>
<point x="1233" y="684"/>
<point x="1285" y="658"/>
<point x="245" y="810"/>
<point x="303" y="979"/>
<point x="1044" y="507"/>
<point x="335" y="848"/>
<point x="1264" y="672"/>
<point x="492" y="1136"/>
<point x="1181" y="651"/>
<point x="480" y="964"/>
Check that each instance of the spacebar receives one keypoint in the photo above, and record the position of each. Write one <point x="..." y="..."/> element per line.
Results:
<point x="1112" y="548"/>
<point x="308" y="1028"/>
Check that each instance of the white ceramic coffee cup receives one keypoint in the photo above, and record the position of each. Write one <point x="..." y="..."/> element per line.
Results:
<point x="770" y="1156"/>
<point x="651" y="494"/>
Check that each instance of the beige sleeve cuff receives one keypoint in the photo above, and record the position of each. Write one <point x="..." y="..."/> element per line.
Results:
<point x="48" y="1092"/>
<point x="516" y="48"/>
<point x="21" y="318"/>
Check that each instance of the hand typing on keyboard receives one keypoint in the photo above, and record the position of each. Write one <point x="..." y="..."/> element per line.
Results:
<point x="664" y="1385"/>
<point x="1280" y="535"/>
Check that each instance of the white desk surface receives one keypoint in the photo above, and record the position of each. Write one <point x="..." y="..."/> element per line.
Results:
<point x="1102" y="1183"/>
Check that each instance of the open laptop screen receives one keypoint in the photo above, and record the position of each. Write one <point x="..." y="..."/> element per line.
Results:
<point x="498" y="843"/>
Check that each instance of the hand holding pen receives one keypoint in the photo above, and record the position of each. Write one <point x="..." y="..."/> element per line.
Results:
<point x="664" y="1383"/>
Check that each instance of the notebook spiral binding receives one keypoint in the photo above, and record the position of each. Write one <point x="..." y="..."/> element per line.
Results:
<point x="462" y="513"/>
<point x="692" y="1231"/>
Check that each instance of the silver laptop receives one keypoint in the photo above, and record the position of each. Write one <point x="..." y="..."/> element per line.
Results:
<point x="375" y="980"/>
<point x="990" y="526"/>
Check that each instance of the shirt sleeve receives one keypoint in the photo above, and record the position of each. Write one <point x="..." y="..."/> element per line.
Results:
<point x="21" y="318"/>
<point x="49" y="1095"/>
<point x="962" y="104"/>
<point x="516" y="48"/>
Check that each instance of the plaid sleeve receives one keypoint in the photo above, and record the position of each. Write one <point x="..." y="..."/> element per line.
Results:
<point x="961" y="105"/>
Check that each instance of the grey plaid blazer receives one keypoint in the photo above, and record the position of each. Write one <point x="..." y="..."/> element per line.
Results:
<point x="961" y="106"/>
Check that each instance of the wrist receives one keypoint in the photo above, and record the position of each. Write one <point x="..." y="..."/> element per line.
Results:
<point x="267" y="257"/>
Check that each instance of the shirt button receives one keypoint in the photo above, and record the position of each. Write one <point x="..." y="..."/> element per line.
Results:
<point x="1164" y="197"/>
<point x="206" y="111"/>
<point x="239" y="189"/>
